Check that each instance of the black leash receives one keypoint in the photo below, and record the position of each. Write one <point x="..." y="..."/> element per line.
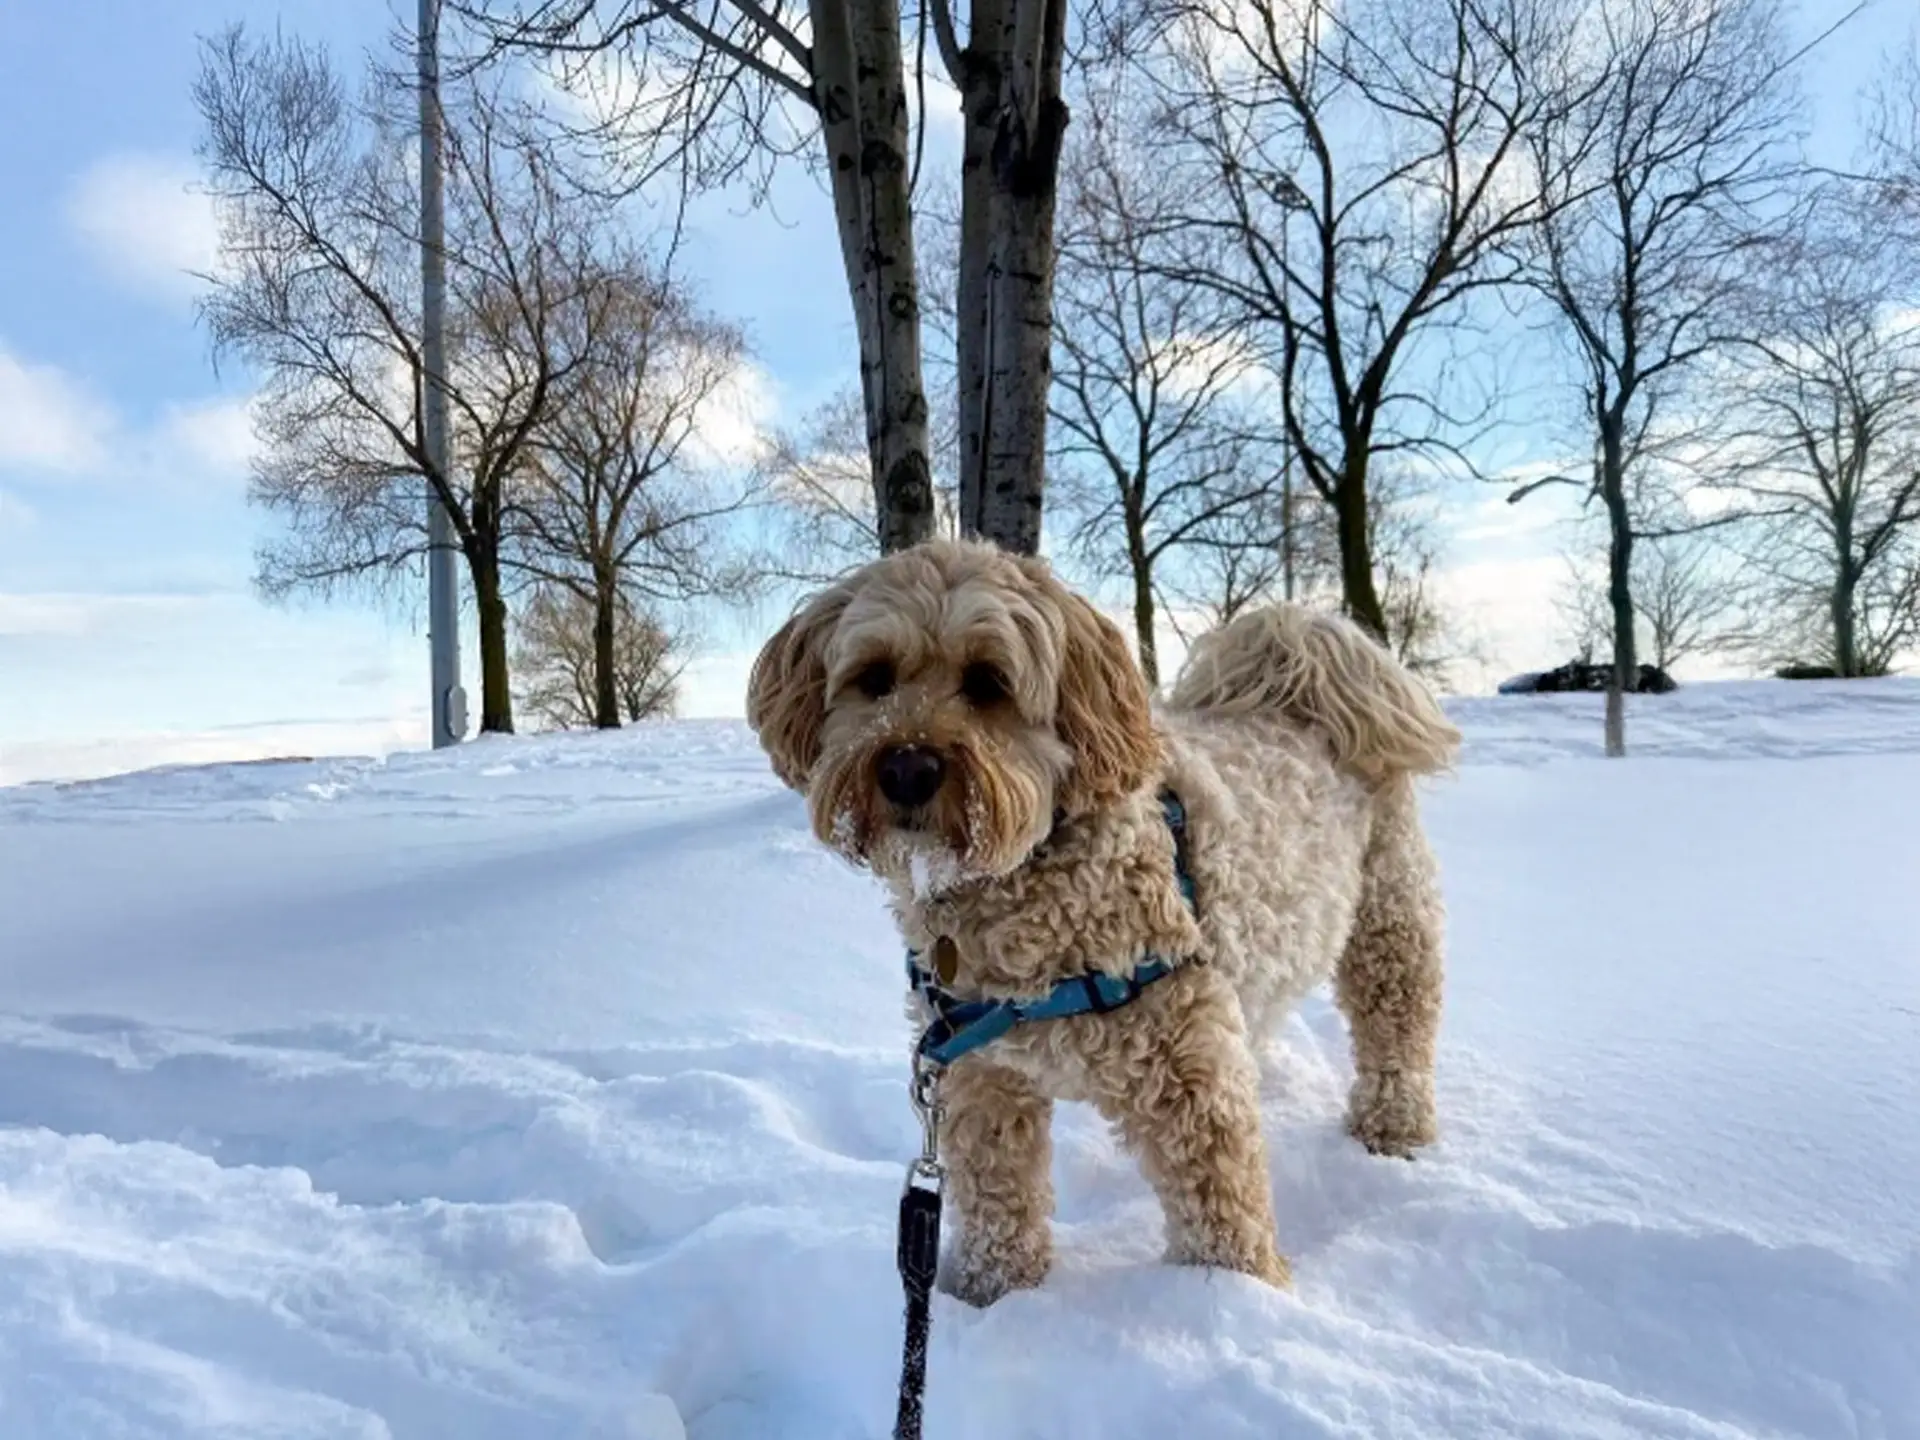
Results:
<point x="918" y="1249"/>
<point x="919" y="1258"/>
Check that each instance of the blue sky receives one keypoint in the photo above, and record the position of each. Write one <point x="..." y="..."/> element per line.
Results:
<point x="129" y="634"/>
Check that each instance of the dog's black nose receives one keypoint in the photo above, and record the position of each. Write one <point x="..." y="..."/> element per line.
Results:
<point x="910" y="775"/>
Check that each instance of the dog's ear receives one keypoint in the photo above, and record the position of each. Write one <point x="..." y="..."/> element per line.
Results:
<point x="1105" y="713"/>
<point x="787" y="691"/>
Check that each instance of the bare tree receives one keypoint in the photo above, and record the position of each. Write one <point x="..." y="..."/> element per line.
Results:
<point x="1424" y="632"/>
<point x="726" y="86"/>
<point x="1238" y="559"/>
<point x="818" y="487"/>
<point x="1685" y="602"/>
<point x="1385" y="137"/>
<point x="1656" y="189"/>
<point x="1827" y="397"/>
<point x="558" y="657"/>
<point x="821" y="487"/>
<point x="1216" y="581"/>
<point x="1154" y="431"/>
<point x="719" y="91"/>
<point x="318" y="287"/>
<point x="1893" y="138"/>
<point x="616" y="505"/>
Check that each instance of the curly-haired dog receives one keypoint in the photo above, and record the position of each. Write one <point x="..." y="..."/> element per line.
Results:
<point x="979" y="737"/>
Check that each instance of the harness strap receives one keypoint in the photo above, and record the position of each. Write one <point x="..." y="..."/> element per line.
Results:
<point x="960" y="1026"/>
<point x="1176" y="816"/>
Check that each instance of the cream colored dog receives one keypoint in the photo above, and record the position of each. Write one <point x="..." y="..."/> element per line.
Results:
<point x="979" y="737"/>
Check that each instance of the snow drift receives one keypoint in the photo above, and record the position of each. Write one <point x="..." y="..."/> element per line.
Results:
<point x="476" y="1093"/>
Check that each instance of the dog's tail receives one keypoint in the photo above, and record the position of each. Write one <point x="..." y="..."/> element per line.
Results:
<point x="1325" y="671"/>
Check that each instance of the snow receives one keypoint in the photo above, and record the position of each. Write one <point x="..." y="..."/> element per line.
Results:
<point x="483" y="1093"/>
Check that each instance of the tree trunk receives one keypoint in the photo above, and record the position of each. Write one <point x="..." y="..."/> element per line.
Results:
<point x="979" y="107"/>
<point x="1357" y="590"/>
<point x="1142" y="568"/>
<point x="1846" y="657"/>
<point x="861" y="89"/>
<point x="496" y="699"/>
<point x="606" y="690"/>
<point x="1015" y="122"/>
<point x="1626" y="665"/>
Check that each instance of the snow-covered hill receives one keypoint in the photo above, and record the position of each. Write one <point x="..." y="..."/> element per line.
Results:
<point x="470" y="1095"/>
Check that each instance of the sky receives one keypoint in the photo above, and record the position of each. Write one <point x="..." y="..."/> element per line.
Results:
<point x="130" y="634"/>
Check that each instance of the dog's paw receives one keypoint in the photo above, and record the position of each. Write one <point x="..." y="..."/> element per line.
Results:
<point x="979" y="1277"/>
<point x="1391" y="1112"/>
<point x="1275" y="1271"/>
<point x="1246" y="1257"/>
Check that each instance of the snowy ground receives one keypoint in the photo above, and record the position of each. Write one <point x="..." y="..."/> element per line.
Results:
<point x="472" y="1095"/>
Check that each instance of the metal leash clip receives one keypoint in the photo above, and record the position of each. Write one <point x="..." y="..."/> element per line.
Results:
<point x="926" y="1170"/>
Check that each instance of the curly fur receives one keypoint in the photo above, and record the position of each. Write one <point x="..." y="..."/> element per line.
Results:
<point x="1293" y="740"/>
<point x="1324" y="671"/>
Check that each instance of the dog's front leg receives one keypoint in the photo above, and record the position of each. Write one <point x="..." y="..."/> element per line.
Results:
<point x="1191" y="1110"/>
<point x="997" y="1141"/>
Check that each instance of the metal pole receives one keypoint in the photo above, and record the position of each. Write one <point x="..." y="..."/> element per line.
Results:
<point x="1286" y="448"/>
<point x="443" y="574"/>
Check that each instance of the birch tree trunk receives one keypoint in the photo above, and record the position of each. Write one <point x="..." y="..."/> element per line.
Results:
<point x="860" y="88"/>
<point x="1009" y="82"/>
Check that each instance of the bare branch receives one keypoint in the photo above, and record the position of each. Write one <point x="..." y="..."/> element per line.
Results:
<point x="951" y="54"/>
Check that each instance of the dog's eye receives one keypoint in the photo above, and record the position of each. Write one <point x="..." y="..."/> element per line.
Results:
<point x="875" y="681"/>
<point x="983" y="684"/>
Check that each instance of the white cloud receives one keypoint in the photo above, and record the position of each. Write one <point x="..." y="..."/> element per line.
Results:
<point x="714" y="686"/>
<point x="80" y="613"/>
<point x="1704" y="501"/>
<point x="1480" y="515"/>
<point x="731" y="428"/>
<point x="1507" y="606"/>
<point x="1225" y="362"/>
<point x="146" y="222"/>
<point x="212" y="438"/>
<point x="53" y="425"/>
<point x="48" y="420"/>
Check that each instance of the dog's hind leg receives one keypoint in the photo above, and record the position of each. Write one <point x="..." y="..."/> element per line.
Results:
<point x="997" y="1140"/>
<point x="1388" y="981"/>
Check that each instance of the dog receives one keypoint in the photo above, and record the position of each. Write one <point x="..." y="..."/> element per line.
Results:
<point x="979" y="737"/>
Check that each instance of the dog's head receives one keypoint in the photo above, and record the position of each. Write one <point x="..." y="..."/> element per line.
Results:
<point x="939" y="708"/>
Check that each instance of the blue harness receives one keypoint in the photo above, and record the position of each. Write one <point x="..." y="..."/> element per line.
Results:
<point x="962" y="1026"/>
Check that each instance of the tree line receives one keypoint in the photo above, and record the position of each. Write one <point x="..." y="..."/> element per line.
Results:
<point x="581" y="369"/>
<point x="1222" y="292"/>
